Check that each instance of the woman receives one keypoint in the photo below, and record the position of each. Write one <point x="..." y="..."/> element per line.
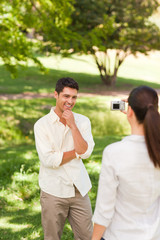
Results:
<point x="128" y="200"/>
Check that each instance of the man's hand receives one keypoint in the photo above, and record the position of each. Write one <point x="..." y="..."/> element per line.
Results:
<point x="69" y="117"/>
<point x="80" y="145"/>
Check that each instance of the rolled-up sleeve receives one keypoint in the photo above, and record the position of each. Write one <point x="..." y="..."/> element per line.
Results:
<point x="48" y="157"/>
<point x="107" y="191"/>
<point x="87" y="135"/>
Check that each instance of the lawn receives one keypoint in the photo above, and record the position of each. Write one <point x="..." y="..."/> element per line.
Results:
<point x="133" y="72"/>
<point x="19" y="164"/>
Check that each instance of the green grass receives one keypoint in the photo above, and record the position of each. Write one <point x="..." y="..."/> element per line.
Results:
<point x="19" y="163"/>
<point x="18" y="117"/>
<point x="143" y="68"/>
<point x="19" y="197"/>
<point x="133" y="72"/>
<point x="20" y="213"/>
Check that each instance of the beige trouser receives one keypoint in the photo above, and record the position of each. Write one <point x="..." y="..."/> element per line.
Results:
<point x="56" y="210"/>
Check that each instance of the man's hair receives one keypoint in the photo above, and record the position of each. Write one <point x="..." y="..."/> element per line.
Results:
<point x="66" y="82"/>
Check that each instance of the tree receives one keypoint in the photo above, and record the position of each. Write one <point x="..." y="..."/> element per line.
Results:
<point x="111" y="30"/>
<point x="108" y="29"/>
<point x="23" y="26"/>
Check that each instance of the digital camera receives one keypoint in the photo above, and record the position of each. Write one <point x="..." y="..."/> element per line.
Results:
<point x="117" y="105"/>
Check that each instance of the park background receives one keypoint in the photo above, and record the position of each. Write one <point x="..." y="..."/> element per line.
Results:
<point x="26" y="94"/>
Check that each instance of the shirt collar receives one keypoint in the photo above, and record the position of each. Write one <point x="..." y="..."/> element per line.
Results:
<point x="53" y="116"/>
<point x="135" y="138"/>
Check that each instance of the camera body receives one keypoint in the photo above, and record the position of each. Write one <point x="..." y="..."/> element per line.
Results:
<point x="118" y="105"/>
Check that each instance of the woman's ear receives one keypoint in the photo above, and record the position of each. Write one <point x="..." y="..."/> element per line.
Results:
<point x="130" y="112"/>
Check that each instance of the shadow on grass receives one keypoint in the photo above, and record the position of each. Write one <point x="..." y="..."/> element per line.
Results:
<point x="27" y="225"/>
<point x="129" y="83"/>
<point x="31" y="80"/>
<point x="24" y="224"/>
<point x="19" y="218"/>
<point x="18" y="118"/>
<point x="16" y="212"/>
<point x="12" y="158"/>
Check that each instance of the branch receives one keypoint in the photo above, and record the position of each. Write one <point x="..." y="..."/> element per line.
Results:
<point x="108" y="67"/>
<point x="35" y="7"/>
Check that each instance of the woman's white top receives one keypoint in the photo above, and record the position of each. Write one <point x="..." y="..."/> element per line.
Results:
<point x="128" y="200"/>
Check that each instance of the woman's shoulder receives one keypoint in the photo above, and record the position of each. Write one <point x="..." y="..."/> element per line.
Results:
<point x="125" y="145"/>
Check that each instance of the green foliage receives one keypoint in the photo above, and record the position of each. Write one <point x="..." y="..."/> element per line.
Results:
<point x="15" y="48"/>
<point x="109" y="30"/>
<point x="21" y="21"/>
<point x="113" y="30"/>
<point x="115" y="24"/>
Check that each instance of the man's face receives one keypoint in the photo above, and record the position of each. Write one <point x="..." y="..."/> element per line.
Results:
<point x="66" y="99"/>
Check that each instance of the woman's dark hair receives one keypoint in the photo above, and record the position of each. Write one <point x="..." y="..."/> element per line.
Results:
<point x="66" y="82"/>
<point x="144" y="102"/>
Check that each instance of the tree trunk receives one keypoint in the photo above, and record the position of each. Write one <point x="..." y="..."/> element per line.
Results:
<point x="109" y="80"/>
<point x="109" y="77"/>
<point x="114" y="77"/>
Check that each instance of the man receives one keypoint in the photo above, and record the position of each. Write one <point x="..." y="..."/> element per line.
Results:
<point x="63" y="139"/>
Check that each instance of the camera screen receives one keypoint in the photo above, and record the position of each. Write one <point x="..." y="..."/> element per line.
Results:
<point x="116" y="106"/>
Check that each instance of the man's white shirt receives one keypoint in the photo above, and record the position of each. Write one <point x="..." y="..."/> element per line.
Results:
<point x="52" y="138"/>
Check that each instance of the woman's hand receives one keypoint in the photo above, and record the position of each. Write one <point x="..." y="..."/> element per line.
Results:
<point x="126" y="101"/>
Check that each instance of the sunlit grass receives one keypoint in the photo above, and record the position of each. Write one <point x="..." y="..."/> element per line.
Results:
<point x="18" y="117"/>
<point x="133" y="72"/>
<point x="143" y="67"/>
<point x="19" y="164"/>
<point x="74" y="63"/>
